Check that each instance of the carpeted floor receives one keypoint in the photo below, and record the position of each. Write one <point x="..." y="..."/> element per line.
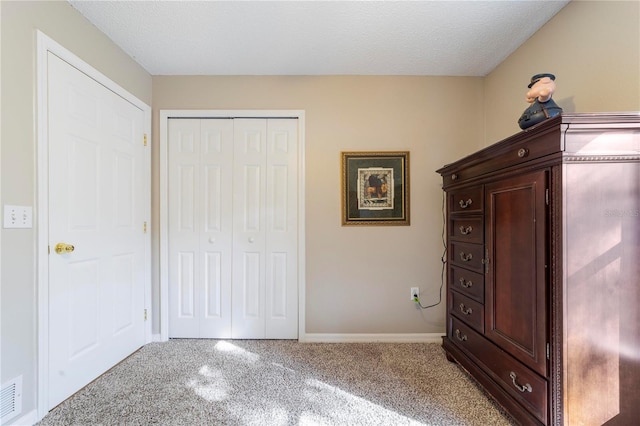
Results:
<point x="276" y="382"/>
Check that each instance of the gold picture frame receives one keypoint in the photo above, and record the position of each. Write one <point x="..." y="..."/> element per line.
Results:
<point x="375" y="188"/>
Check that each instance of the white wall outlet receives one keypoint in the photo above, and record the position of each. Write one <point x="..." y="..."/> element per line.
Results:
<point x="18" y="216"/>
<point x="415" y="292"/>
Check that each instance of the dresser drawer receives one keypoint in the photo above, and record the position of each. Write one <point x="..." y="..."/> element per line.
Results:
<point x="466" y="309"/>
<point x="467" y="200"/>
<point x="467" y="255"/>
<point x="519" y="150"/>
<point x="469" y="283"/>
<point x="467" y="228"/>
<point x="529" y="389"/>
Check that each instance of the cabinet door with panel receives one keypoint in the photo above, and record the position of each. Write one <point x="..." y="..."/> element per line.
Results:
<point x="516" y="267"/>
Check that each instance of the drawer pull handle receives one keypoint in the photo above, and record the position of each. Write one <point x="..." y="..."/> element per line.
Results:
<point x="465" y="284"/>
<point x="460" y="336"/>
<point x="467" y="230"/>
<point x="465" y="310"/>
<point x="523" y="152"/>
<point x="526" y="387"/>
<point x="454" y="176"/>
<point x="465" y="204"/>
<point x="465" y="257"/>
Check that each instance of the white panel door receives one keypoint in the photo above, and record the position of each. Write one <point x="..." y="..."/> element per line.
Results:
<point x="233" y="228"/>
<point x="281" y="226"/>
<point x="265" y="235"/>
<point x="200" y="227"/>
<point x="249" y="235"/>
<point x="96" y="190"/>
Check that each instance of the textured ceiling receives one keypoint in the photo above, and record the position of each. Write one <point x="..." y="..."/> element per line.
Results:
<point x="457" y="38"/>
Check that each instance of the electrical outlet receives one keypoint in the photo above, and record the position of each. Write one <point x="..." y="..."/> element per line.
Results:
<point x="415" y="292"/>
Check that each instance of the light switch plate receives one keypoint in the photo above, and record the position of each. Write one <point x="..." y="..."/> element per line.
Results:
<point x="18" y="216"/>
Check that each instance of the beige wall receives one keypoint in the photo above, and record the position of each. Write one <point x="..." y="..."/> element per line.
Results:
<point x="357" y="278"/>
<point x="19" y="22"/>
<point x="592" y="47"/>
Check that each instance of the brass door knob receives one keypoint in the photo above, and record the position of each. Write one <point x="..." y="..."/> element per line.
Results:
<point x="62" y="248"/>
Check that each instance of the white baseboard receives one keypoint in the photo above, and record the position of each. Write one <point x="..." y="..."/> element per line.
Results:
<point x="366" y="337"/>
<point x="28" y="419"/>
<point x="359" y="337"/>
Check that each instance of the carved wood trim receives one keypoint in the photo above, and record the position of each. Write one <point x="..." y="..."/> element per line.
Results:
<point x="556" y="289"/>
<point x="600" y="158"/>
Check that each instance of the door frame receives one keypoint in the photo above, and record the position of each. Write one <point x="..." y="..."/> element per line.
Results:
<point x="165" y="115"/>
<point x="45" y="45"/>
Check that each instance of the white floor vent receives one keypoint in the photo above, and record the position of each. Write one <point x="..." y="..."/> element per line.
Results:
<point x="10" y="399"/>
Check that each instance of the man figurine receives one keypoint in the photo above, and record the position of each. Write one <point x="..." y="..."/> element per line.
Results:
<point x="542" y="106"/>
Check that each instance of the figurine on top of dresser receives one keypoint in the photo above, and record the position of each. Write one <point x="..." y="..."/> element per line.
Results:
<point x="539" y="96"/>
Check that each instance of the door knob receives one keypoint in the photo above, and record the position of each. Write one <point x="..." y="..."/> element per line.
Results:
<point x="62" y="248"/>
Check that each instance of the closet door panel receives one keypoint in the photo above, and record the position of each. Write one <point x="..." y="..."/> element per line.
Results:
<point x="216" y="162"/>
<point x="248" y="293"/>
<point x="184" y="183"/>
<point x="282" y="229"/>
<point x="200" y="177"/>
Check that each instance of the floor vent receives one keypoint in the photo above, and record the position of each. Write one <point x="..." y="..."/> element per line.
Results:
<point x="11" y="399"/>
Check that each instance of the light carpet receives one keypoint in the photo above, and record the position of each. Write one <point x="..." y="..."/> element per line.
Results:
<point x="281" y="382"/>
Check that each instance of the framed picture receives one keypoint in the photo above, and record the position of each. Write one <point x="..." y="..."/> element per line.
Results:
<point x="375" y="188"/>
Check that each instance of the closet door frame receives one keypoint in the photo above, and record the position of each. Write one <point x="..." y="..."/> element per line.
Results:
<point x="165" y="115"/>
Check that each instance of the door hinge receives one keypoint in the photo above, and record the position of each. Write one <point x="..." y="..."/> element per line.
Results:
<point x="145" y="314"/>
<point x="548" y="351"/>
<point x="485" y="261"/>
<point x="546" y="196"/>
<point x="144" y="227"/>
<point x="145" y="139"/>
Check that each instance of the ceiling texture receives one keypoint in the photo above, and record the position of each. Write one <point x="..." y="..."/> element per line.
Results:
<point x="453" y="38"/>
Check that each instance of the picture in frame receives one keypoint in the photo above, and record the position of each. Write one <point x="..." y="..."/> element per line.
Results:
<point x="375" y="188"/>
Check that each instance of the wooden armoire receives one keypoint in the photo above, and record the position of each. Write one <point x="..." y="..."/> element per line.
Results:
<point x="543" y="270"/>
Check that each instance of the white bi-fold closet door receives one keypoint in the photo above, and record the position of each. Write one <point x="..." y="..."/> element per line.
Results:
<point x="232" y="228"/>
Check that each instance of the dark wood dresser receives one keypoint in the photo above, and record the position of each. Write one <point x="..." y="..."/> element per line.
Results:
<point x="543" y="270"/>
